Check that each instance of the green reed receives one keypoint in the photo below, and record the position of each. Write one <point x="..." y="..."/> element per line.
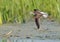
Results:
<point x="18" y="10"/>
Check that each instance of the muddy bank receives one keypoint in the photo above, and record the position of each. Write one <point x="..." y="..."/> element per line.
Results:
<point x="51" y="30"/>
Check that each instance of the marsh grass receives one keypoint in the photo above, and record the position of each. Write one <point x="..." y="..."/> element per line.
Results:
<point x="18" y="10"/>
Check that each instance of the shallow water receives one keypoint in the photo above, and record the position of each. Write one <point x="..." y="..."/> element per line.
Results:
<point x="27" y="40"/>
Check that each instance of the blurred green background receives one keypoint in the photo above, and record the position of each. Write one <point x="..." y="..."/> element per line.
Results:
<point x="17" y="11"/>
